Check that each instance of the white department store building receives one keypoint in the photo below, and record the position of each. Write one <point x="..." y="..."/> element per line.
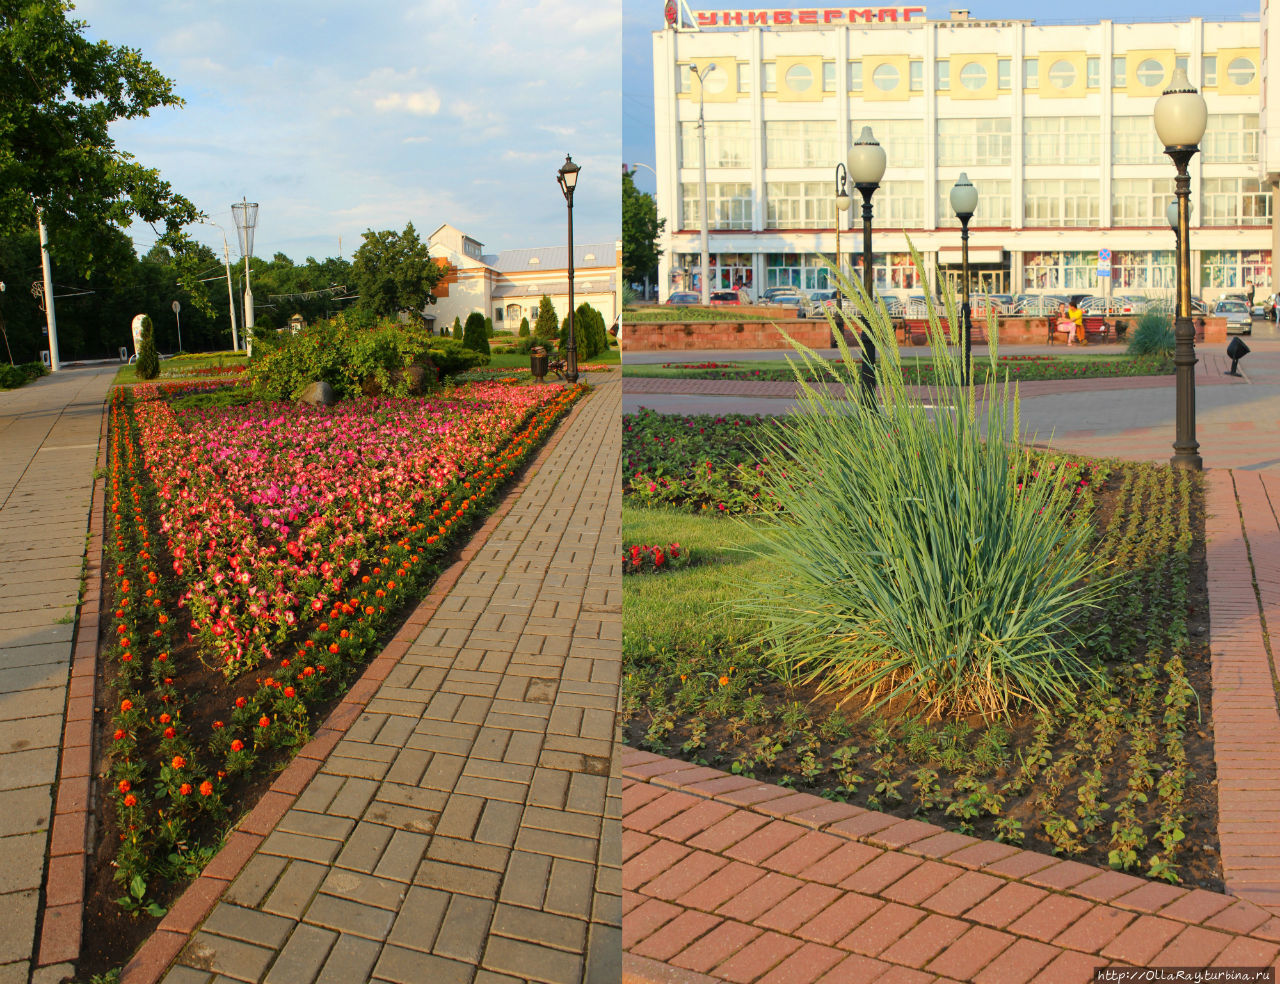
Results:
<point x="1052" y="123"/>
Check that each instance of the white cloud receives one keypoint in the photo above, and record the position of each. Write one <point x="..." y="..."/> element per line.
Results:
<point x="425" y="102"/>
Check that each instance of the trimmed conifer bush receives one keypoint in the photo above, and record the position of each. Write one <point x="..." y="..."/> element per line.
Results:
<point x="148" y="364"/>
<point x="473" y="333"/>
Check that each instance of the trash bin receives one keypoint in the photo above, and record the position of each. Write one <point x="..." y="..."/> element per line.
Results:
<point x="538" y="363"/>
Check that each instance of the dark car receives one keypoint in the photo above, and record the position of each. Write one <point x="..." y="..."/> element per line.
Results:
<point x="684" y="297"/>
<point x="723" y="298"/>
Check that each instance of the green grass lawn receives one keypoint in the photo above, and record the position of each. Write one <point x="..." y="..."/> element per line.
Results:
<point x="514" y="360"/>
<point x="173" y="368"/>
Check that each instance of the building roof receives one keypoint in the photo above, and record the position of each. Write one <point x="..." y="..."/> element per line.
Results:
<point x="552" y="258"/>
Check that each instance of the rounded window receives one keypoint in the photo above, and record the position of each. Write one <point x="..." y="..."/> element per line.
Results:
<point x="1062" y="75"/>
<point x="799" y="78"/>
<point x="886" y="78"/>
<point x="1150" y="73"/>
<point x="973" y="76"/>
<point x="1241" y="71"/>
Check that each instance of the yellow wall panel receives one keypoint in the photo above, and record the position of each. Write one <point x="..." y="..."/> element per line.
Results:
<point x="725" y="94"/>
<point x="873" y="93"/>
<point x="1226" y="86"/>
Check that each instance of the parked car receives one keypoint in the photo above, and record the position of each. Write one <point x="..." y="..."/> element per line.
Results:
<point x="774" y="292"/>
<point x="819" y="301"/>
<point x="1239" y="317"/>
<point x="794" y="299"/>
<point x="685" y="297"/>
<point x="725" y="298"/>
<point x="1260" y="308"/>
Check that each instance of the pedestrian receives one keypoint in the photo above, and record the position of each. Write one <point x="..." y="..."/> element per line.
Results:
<point x="1251" y="296"/>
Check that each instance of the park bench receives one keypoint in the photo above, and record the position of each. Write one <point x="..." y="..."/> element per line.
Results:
<point x="1096" y="329"/>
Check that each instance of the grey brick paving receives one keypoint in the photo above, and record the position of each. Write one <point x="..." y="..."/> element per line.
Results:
<point x="467" y="827"/>
<point x="48" y="446"/>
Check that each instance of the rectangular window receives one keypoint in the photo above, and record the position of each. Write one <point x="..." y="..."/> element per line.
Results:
<point x="1210" y="69"/>
<point x="828" y="76"/>
<point x="1134" y="141"/>
<point x="1142" y="269"/>
<point x="971" y="142"/>
<point x="770" y="77"/>
<point x="1234" y="202"/>
<point x="1181" y="61"/>
<point x="1140" y="201"/>
<point x="1042" y="271"/>
<point x="994" y="204"/>
<point x="903" y="140"/>
<point x="1004" y="69"/>
<point x="1117" y="72"/>
<point x="900" y="205"/>
<point x="917" y="76"/>
<point x="744" y="77"/>
<point x="800" y="143"/>
<point x="729" y="143"/>
<point x="1061" y="202"/>
<point x="890" y="271"/>
<point x="684" y="79"/>
<point x="855" y="76"/>
<point x="799" y="205"/>
<point x="1093" y="72"/>
<point x="1031" y="73"/>
<point x="1231" y="138"/>
<point x="943" y="74"/>
<point x="807" y="271"/>
<point x="728" y="206"/>
<point x="1062" y="140"/>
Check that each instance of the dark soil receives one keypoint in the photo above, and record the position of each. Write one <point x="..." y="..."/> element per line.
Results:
<point x="1199" y="862"/>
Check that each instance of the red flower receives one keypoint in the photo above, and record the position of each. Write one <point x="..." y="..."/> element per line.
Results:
<point x="240" y="702"/>
<point x="264" y="722"/>
<point x="125" y="785"/>
<point x="179" y="762"/>
<point x="206" y="788"/>
<point x="237" y="745"/>
<point x="184" y="789"/>
<point x="131" y="800"/>
<point x="126" y="706"/>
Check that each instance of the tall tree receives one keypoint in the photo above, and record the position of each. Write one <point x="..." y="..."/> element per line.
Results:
<point x="640" y="229"/>
<point x="59" y="94"/>
<point x="393" y="272"/>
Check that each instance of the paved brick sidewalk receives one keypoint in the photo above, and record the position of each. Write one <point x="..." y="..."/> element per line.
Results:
<point x="466" y="827"/>
<point x="729" y="879"/>
<point x="48" y="446"/>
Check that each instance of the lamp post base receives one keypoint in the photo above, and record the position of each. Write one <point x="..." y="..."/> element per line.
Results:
<point x="1186" y="449"/>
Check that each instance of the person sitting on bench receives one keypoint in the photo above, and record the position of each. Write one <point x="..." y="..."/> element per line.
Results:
<point x="1066" y="324"/>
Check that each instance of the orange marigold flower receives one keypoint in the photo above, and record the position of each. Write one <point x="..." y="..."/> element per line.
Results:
<point x="125" y="785"/>
<point x="240" y="702"/>
<point x="179" y="762"/>
<point x="264" y="722"/>
<point x="237" y="745"/>
<point x="724" y="681"/>
<point x="169" y="732"/>
<point x="206" y="788"/>
<point x="184" y="789"/>
<point x="289" y="691"/>
<point x="126" y="706"/>
<point x="131" y="800"/>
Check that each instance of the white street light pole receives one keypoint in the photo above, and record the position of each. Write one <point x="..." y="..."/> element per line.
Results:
<point x="231" y="297"/>
<point x="246" y="216"/>
<point x="702" y="177"/>
<point x="50" y="318"/>
<point x="178" y="318"/>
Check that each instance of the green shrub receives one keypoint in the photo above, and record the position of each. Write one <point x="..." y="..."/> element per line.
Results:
<point x="473" y="334"/>
<point x="148" y="364"/>
<point x="524" y="328"/>
<point x="457" y="328"/>
<point x="1153" y="335"/>
<point x="488" y="327"/>
<point x="919" y="562"/>
<point x="547" y="324"/>
<point x="11" y="377"/>
<point x="589" y="332"/>
<point x="345" y="355"/>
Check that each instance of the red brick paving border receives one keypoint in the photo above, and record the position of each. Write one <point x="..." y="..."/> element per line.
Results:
<point x="62" y="924"/>
<point x="780" y="889"/>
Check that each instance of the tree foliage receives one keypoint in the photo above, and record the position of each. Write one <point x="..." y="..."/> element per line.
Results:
<point x="148" y="364"/>
<point x="590" y="337"/>
<point x="393" y="272"/>
<point x="547" y="324"/>
<point x="59" y="94"/>
<point x="473" y="334"/>
<point x="640" y="229"/>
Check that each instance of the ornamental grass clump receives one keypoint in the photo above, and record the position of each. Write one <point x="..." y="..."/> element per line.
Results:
<point x="1153" y="335"/>
<point x="923" y="564"/>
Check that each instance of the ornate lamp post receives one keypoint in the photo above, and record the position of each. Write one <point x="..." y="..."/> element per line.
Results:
<point x="964" y="202"/>
<point x="702" y="177"/>
<point x="568" y="178"/>
<point x="1171" y="213"/>
<point x="1180" y="118"/>
<point x="867" y="162"/>
<point x="842" y="206"/>
<point x="246" y="215"/>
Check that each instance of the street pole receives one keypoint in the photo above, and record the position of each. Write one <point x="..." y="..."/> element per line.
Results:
<point x="567" y="177"/>
<point x="702" y="180"/>
<point x="966" y="324"/>
<point x="177" y="308"/>
<point x="50" y="318"/>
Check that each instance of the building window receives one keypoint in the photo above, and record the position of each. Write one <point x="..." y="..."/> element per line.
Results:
<point x="728" y="206"/>
<point x="855" y="76"/>
<point x="806" y="271"/>
<point x="800" y="143"/>
<point x="1210" y="69"/>
<point x="1134" y="141"/>
<point x="1061" y="202"/>
<point x="799" y="205"/>
<point x="1117" y="72"/>
<point x="1062" y="74"/>
<point x="1150" y="73"/>
<point x="917" y="75"/>
<point x="1140" y="201"/>
<point x="799" y="78"/>
<point x="1231" y="138"/>
<point x="1093" y="72"/>
<point x="886" y="77"/>
<point x="1004" y="68"/>
<point x="1055" y="139"/>
<point x="770" y="77"/>
<point x="1234" y="202"/>
<point x="1241" y="71"/>
<point x="900" y="205"/>
<point x="828" y="76"/>
<point x="684" y="79"/>
<point x="1142" y="269"/>
<point x="973" y="76"/>
<point x="1031" y="73"/>
<point x="942" y="75"/>
<point x="729" y="143"/>
<point x="965" y="143"/>
<point x="889" y="271"/>
<point x="1182" y="62"/>
<point x="1235" y="268"/>
<point x="994" y="204"/>
<point x="744" y="77"/>
<point x="903" y="141"/>
<point x="1060" y="269"/>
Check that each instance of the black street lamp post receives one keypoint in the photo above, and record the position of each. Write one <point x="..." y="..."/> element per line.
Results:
<point x="568" y="178"/>
<point x="964" y="202"/>
<point x="867" y="162"/>
<point x="842" y="206"/>
<point x="1180" y="118"/>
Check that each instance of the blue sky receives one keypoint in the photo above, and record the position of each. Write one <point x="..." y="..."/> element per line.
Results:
<point x="640" y="18"/>
<point x="341" y="117"/>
